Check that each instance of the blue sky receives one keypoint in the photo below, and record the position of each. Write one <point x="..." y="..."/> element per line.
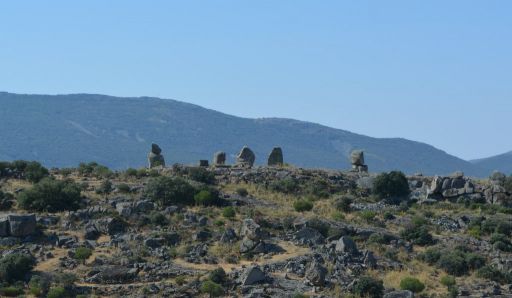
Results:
<point x="433" y="71"/>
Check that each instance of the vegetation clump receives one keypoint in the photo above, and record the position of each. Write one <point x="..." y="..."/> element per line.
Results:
<point x="392" y="187"/>
<point x="302" y="205"/>
<point x="412" y="284"/>
<point x="168" y="191"/>
<point x="51" y="196"/>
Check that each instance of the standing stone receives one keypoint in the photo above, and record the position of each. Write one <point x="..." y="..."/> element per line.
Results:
<point x="219" y="158"/>
<point x="276" y="157"/>
<point x="204" y="163"/>
<point x="252" y="275"/>
<point x="316" y="273"/>
<point x="155" y="158"/>
<point x="357" y="161"/>
<point x="346" y="245"/>
<point x="246" y="157"/>
<point x="22" y="225"/>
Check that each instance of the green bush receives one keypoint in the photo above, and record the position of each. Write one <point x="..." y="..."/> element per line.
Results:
<point x="211" y="288"/>
<point x="34" y="172"/>
<point x="494" y="274"/>
<point x="158" y="218"/>
<point x="38" y="285"/>
<point x="10" y="292"/>
<point x="412" y="284"/>
<point x="448" y="281"/>
<point x="302" y="205"/>
<point x="206" y="198"/>
<point x="167" y="191"/>
<point x="51" y="195"/>
<point x="242" y="192"/>
<point x="369" y="287"/>
<point x="430" y="256"/>
<point x="130" y="172"/>
<point x="58" y="292"/>
<point x="229" y="212"/>
<point x="83" y="253"/>
<point x="287" y="185"/>
<point x="417" y="232"/>
<point x="218" y="275"/>
<point x="14" y="267"/>
<point x="318" y="188"/>
<point x="392" y="187"/>
<point x="201" y="175"/>
<point x="105" y="187"/>
<point x="123" y="188"/>
<point x="94" y="169"/>
<point x="343" y="204"/>
<point x="367" y="215"/>
<point x="457" y="262"/>
<point x="508" y="184"/>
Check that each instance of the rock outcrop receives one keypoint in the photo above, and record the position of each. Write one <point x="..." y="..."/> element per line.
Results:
<point x="357" y="161"/>
<point x="245" y="158"/>
<point x="276" y="157"/>
<point x="155" y="157"/>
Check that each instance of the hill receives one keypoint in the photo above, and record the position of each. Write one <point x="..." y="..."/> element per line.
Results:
<point x="501" y="162"/>
<point x="63" y="130"/>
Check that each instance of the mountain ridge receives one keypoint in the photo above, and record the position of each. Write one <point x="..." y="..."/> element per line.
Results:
<point x="62" y="130"/>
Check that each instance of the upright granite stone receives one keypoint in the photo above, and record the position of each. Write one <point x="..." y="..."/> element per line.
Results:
<point x="204" y="163"/>
<point x="357" y="161"/>
<point x="22" y="225"/>
<point x="219" y="158"/>
<point x="155" y="158"/>
<point x="246" y="157"/>
<point x="276" y="157"/>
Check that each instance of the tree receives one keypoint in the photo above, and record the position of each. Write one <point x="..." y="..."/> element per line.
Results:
<point x="392" y="187"/>
<point x="212" y="289"/>
<point x="51" y="195"/>
<point x="14" y="267"/>
<point x="167" y="191"/>
<point x="34" y="172"/>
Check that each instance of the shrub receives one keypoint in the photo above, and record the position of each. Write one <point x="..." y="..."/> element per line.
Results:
<point x="14" y="267"/>
<point x="34" y="172"/>
<point x="211" y="288"/>
<point x="367" y="215"/>
<point x="201" y="175"/>
<point x="83" y="253"/>
<point x="302" y="205"/>
<point x="343" y="204"/>
<point x="229" y="212"/>
<point x="474" y="261"/>
<point x="167" y="191"/>
<point x="369" y="287"/>
<point x="206" y="198"/>
<point x="94" y="169"/>
<point x="417" y="232"/>
<point x="430" y="256"/>
<point x="412" y="284"/>
<point x="105" y="187"/>
<point x="10" y="292"/>
<point x="318" y="188"/>
<point x="392" y="187"/>
<point x="158" y="218"/>
<point x="38" y="286"/>
<point x="494" y="274"/>
<point x="453" y="263"/>
<point x="448" y="281"/>
<point x="130" y="172"/>
<point x="51" y="195"/>
<point x="287" y="185"/>
<point x="58" y="292"/>
<point x="123" y="188"/>
<point x="242" y="191"/>
<point x="218" y="275"/>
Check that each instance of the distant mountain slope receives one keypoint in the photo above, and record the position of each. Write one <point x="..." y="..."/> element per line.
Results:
<point x="64" y="130"/>
<point x="502" y="163"/>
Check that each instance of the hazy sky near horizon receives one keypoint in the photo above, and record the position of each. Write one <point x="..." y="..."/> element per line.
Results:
<point x="433" y="71"/>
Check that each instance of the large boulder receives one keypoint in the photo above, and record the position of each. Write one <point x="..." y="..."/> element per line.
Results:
<point x="246" y="157"/>
<point x="251" y="230"/>
<point x="112" y="275"/>
<point x="252" y="275"/>
<point x="155" y="158"/>
<point x="22" y="225"/>
<point x="316" y="273"/>
<point x="357" y="158"/>
<point x="308" y="236"/>
<point x="219" y="158"/>
<point x="276" y="157"/>
<point x="346" y="245"/>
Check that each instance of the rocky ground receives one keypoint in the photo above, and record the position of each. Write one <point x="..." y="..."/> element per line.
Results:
<point x="260" y="232"/>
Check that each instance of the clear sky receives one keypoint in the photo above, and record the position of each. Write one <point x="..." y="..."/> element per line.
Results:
<point x="439" y="72"/>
